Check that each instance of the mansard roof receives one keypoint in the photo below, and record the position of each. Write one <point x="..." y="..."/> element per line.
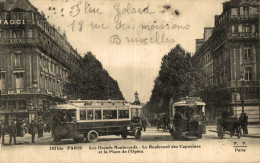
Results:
<point x="17" y="5"/>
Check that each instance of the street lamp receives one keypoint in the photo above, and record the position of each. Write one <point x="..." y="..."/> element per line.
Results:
<point x="242" y="75"/>
<point x="35" y="106"/>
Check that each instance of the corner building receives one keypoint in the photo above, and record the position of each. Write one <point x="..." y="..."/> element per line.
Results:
<point x="229" y="54"/>
<point x="35" y="60"/>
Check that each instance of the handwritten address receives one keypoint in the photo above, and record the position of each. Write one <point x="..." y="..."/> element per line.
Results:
<point x="156" y="32"/>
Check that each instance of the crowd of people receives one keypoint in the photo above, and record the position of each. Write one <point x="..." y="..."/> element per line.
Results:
<point x="18" y="128"/>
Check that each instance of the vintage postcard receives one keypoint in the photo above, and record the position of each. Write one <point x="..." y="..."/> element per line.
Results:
<point x="129" y="81"/>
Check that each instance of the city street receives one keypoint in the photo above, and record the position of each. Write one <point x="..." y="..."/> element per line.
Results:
<point x="154" y="146"/>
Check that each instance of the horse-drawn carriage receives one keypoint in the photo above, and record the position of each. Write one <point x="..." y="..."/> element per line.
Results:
<point x="231" y="125"/>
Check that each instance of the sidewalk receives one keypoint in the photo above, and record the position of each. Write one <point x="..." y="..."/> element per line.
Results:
<point x="253" y="131"/>
<point x="27" y="138"/>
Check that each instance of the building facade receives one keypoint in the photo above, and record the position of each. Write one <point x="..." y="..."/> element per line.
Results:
<point x="230" y="58"/>
<point x="35" y="59"/>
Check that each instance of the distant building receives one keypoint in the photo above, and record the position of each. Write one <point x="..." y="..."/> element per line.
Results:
<point x="35" y="60"/>
<point x="229" y="54"/>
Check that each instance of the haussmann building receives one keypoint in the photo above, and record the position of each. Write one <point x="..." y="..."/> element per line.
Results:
<point x="35" y="59"/>
<point x="229" y="54"/>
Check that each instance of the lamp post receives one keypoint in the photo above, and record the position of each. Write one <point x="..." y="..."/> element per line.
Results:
<point x="242" y="75"/>
<point x="35" y="105"/>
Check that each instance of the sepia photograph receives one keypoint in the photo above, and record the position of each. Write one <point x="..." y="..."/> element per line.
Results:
<point x="129" y="81"/>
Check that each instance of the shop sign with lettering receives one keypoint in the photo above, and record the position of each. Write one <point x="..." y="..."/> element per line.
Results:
<point x="12" y="22"/>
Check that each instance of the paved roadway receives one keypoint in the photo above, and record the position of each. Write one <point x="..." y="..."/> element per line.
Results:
<point x="154" y="146"/>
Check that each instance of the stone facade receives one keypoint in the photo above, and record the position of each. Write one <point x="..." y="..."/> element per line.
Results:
<point x="230" y="58"/>
<point x="35" y="60"/>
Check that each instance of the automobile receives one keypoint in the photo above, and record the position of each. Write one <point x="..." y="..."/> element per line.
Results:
<point x="89" y="119"/>
<point x="187" y="118"/>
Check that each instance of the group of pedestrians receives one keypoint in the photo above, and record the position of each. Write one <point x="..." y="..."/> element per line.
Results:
<point x="13" y="129"/>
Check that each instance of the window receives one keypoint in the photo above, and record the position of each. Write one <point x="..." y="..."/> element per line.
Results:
<point x="82" y="114"/>
<point x="248" y="73"/>
<point x="21" y="105"/>
<point x="109" y="114"/>
<point x="17" y="16"/>
<point x="247" y="53"/>
<point x="17" y="34"/>
<point x="2" y="80"/>
<point x="240" y="28"/>
<point x="234" y="11"/>
<point x="98" y="114"/>
<point x="123" y="114"/>
<point x="19" y="81"/>
<point x="246" y="11"/>
<point x="90" y="114"/>
<point x="2" y="75"/>
<point x="17" y="60"/>
<point x="29" y="33"/>
<point x="253" y="28"/>
<point x="246" y="28"/>
<point x="1" y="34"/>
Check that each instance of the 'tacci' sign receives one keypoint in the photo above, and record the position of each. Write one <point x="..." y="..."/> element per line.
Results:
<point x="11" y="22"/>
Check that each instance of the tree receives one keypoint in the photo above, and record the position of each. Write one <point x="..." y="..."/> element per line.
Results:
<point x="91" y="82"/>
<point x="177" y="78"/>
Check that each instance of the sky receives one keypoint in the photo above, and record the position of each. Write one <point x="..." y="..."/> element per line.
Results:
<point x="131" y="37"/>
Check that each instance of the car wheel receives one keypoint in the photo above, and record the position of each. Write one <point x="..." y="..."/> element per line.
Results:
<point x="92" y="136"/>
<point x="138" y="133"/>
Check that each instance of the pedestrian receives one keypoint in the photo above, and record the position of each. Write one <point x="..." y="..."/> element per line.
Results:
<point x="19" y="128"/>
<point x="178" y="121"/>
<point x="244" y="122"/>
<point x="3" y="130"/>
<point x="165" y="123"/>
<point x="144" y="124"/>
<point x="40" y="129"/>
<point x="33" y="130"/>
<point x="48" y="128"/>
<point x="12" y="132"/>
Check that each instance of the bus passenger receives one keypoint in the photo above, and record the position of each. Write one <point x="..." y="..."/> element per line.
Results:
<point x="178" y="121"/>
<point x="189" y="117"/>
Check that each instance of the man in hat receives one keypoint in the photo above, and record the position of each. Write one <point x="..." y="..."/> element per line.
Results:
<point x="3" y="130"/>
<point x="40" y="129"/>
<point x="244" y="122"/>
<point x="144" y="124"/>
<point x="12" y="132"/>
<point x="33" y="130"/>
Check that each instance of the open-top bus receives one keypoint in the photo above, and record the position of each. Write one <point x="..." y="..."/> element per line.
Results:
<point x="90" y="119"/>
<point x="187" y="117"/>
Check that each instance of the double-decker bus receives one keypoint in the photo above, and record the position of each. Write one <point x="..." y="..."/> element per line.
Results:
<point x="90" y="119"/>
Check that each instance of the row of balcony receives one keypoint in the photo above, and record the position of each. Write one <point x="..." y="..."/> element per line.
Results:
<point x="31" y="91"/>
<point x="243" y="35"/>
<point x="34" y="41"/>
<point x="244" y="17"/>
<point x="236" y="35"/>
